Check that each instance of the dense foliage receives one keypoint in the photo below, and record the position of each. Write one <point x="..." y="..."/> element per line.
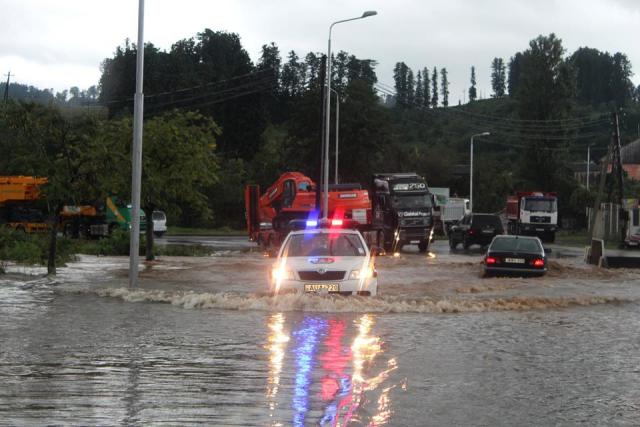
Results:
<point x="547" y="106"/>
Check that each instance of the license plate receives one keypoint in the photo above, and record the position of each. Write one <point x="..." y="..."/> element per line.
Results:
<point x="514" y="260"/>
<point x="539" y="229"/>
<point x="329" y="287"/>
<point x="488" y="230"/>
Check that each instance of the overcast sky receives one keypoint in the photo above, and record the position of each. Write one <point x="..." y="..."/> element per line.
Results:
<point x="59" y="44"/>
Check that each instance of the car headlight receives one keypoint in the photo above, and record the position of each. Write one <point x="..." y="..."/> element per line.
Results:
<point x="280" y="273"/>
<point x="363" y="273"/>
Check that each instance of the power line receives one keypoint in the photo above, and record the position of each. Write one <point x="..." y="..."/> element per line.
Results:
<point x="191" y="88"/>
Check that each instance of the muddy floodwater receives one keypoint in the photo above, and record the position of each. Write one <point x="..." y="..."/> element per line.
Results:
<point x="202" y="341"/>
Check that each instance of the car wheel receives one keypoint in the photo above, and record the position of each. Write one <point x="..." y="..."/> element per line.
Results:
<point x="423" y="246"/>
<point x="465" y="243"/>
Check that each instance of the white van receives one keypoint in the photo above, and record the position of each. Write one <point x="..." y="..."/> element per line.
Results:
<point x="159" y="223"/>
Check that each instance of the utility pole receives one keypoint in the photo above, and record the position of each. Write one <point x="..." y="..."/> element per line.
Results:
<point x="6" y="88"/>
<point x="613" y="159"/>
<point x="323" y="95"/>
<point x="136" y="154"/>
<point x="616" y="170"/>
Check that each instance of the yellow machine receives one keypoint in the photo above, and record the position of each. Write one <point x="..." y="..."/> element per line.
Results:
<point x="18" y="203"/>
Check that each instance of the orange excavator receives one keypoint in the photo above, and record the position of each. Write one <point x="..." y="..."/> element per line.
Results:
<point x="292" y="198"/>
<point x="20" y="203"/>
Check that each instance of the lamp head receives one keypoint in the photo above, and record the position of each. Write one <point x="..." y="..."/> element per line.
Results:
<point x="369" y="13"/>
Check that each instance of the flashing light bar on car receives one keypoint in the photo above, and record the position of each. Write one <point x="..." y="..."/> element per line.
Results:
<point x="312" y="223"/>
<point x="336" y="222"/>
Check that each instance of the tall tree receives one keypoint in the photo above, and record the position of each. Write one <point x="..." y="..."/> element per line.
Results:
<point x="444" y="87"/>
<point x="498" y="77"/>
<point x="621" y="85"/>
<point x="411" y="89"/>
<point x="434" y="89"/>
<point x="178" y="163"/>
<point x="401" y="84"/>
<point x="419" y="98"/>
<point x="426" y="102"/>
<point x="271" y="61"/>
<point x="473" y="94"/>
<point x="515" y="69"/>
<point x="545" y="93"/>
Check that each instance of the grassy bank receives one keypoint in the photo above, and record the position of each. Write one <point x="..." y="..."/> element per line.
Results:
<point x="32" y="249"/>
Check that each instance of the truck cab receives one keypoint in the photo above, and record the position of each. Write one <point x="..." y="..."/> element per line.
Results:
<point x="402" y="210"/>
<point x="533" y="214"/>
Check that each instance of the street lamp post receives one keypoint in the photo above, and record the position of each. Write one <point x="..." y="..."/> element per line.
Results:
<point x="471" y="170"/>
<point x="136" y="153"/>
<point x="325" y="173"/>
<point x="335" y="181"/>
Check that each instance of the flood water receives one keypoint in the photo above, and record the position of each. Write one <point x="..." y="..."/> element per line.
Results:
<point x="202" y="342"/>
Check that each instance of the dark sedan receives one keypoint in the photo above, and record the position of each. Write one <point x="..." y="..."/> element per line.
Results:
<point x="515" y="255"/>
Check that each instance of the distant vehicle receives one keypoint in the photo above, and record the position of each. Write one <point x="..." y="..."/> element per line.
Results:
<point x="515" y="254"/>
<point x="632" y="239"/>
<point x="159" y="223"/>
<point x="453" y="211"/>
<point x="533" y="213"/>
<point x="475" y="228"/>
<point x="21" y="204"/>
<point x="293" y="198"/>
<point x="325" y="260"/>
<point x="402" y="210"/>
<point x="99" y="219"/>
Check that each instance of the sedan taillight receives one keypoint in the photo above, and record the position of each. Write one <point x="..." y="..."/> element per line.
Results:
<point x="538" y="262"/>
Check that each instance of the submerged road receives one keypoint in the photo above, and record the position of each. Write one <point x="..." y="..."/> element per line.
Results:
<point x="201" y="341"/>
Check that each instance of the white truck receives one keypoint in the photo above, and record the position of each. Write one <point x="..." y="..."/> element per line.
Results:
<point x="452" y="211"/>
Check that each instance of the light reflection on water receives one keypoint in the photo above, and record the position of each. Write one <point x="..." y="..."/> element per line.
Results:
<point x="333" y="361"/>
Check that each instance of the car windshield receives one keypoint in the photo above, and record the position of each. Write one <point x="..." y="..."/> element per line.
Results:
<point x="412" y="201"/>
<point x="157" y="215"/>
<point x="515" y="245"/>
<point x="484" y="220"/>
<point x="540" y="205"/>
<point x="324" y="244"/>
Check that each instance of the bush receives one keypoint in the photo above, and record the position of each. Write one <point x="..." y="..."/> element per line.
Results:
<point x="32" y="249"/>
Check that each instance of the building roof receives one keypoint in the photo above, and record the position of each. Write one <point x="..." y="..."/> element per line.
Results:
<point x="630" y="153"/>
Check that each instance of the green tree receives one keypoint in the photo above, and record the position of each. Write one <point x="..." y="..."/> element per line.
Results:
<point x="498" y="77"/>
<point x="473" y="95"/>
<point x="426" y="98"/>
<point x="545" y="94"/>
<point x="45" y="143"/>
<point x="419" y="97"/>
<point x="515" y="69"/>
<point x="434" y="90"/>
<point x="444" y="87"/>
<point x="179" y="163"/>
<point x="411" y="89"/>
<point x="401" y="84"/>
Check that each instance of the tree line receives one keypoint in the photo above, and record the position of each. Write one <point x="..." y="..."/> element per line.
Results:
<point x="265" y="118"/>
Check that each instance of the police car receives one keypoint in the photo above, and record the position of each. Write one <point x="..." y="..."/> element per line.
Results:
<point x="325" y="259"/>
